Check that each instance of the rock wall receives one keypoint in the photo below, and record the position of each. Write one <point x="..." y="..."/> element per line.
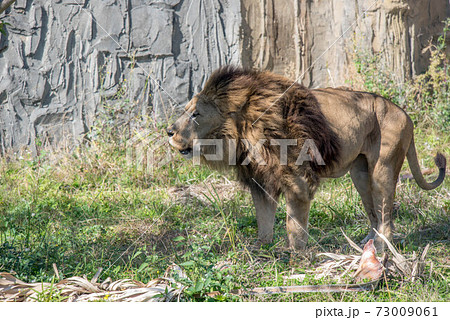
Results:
<point x="313" y="40"/>
<point x="59" y="58"/>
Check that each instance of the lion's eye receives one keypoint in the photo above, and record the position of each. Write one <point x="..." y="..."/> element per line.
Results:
<point x="195" y="114"/>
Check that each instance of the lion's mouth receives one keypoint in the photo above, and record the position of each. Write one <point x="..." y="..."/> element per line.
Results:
<point x="187" y="152"/>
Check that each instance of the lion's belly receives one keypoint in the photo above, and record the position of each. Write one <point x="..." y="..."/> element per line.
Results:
<point x="353" y="122"/>
<point x="337" y="173"/>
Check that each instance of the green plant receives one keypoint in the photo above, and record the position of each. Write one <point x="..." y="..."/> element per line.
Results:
<point x="204" y="276"/>
<point x="3" y="27"/>
<point x="432" y="89"/>
<point x="426" y="98"/>
<point x="50" y="294"/>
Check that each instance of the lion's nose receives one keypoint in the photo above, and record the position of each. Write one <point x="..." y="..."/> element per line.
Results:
<point x="170" y="132"/>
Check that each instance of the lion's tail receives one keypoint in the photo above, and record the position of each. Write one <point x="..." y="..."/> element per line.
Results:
<point x="440" y="162"/>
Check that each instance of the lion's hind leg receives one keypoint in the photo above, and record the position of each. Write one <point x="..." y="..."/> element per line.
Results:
<point x="359" y="173"/>
<point x="386" y="151"/>
<point x="383" y="182"/>
<point x="383" y="190"/>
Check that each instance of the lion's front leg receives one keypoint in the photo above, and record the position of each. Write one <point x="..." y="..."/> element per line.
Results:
<point x="297" y="221"/>
<point x="265" y="214"/>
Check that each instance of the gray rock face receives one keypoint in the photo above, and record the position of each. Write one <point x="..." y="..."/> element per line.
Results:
<point x="60" y="58"/>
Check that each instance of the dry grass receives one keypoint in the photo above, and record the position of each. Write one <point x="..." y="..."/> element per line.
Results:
<point x="80" y="289"/>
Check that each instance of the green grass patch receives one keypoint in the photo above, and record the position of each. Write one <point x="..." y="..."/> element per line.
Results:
<point x="81" y="219"/>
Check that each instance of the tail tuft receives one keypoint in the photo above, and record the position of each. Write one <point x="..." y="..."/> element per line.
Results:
<point x="440" y="161"/>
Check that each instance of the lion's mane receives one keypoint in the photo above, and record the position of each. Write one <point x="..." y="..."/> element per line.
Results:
<point x="262" y="105"/>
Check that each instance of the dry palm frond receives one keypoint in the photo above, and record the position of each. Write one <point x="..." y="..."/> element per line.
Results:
<point x="410" y="268"/>
<point x="352" y="244"/>
<point x="81" y="289"/>
<point x="338" y="265"/>
<point x="332" y="267"/>
<point x="369" y="286"/>
<point x="13" y="289"/>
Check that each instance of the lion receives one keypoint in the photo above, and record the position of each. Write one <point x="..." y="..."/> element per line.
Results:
<point x="354" y="131"/>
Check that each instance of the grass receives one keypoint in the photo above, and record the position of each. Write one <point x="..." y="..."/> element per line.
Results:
<point x="87" y="208"/>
